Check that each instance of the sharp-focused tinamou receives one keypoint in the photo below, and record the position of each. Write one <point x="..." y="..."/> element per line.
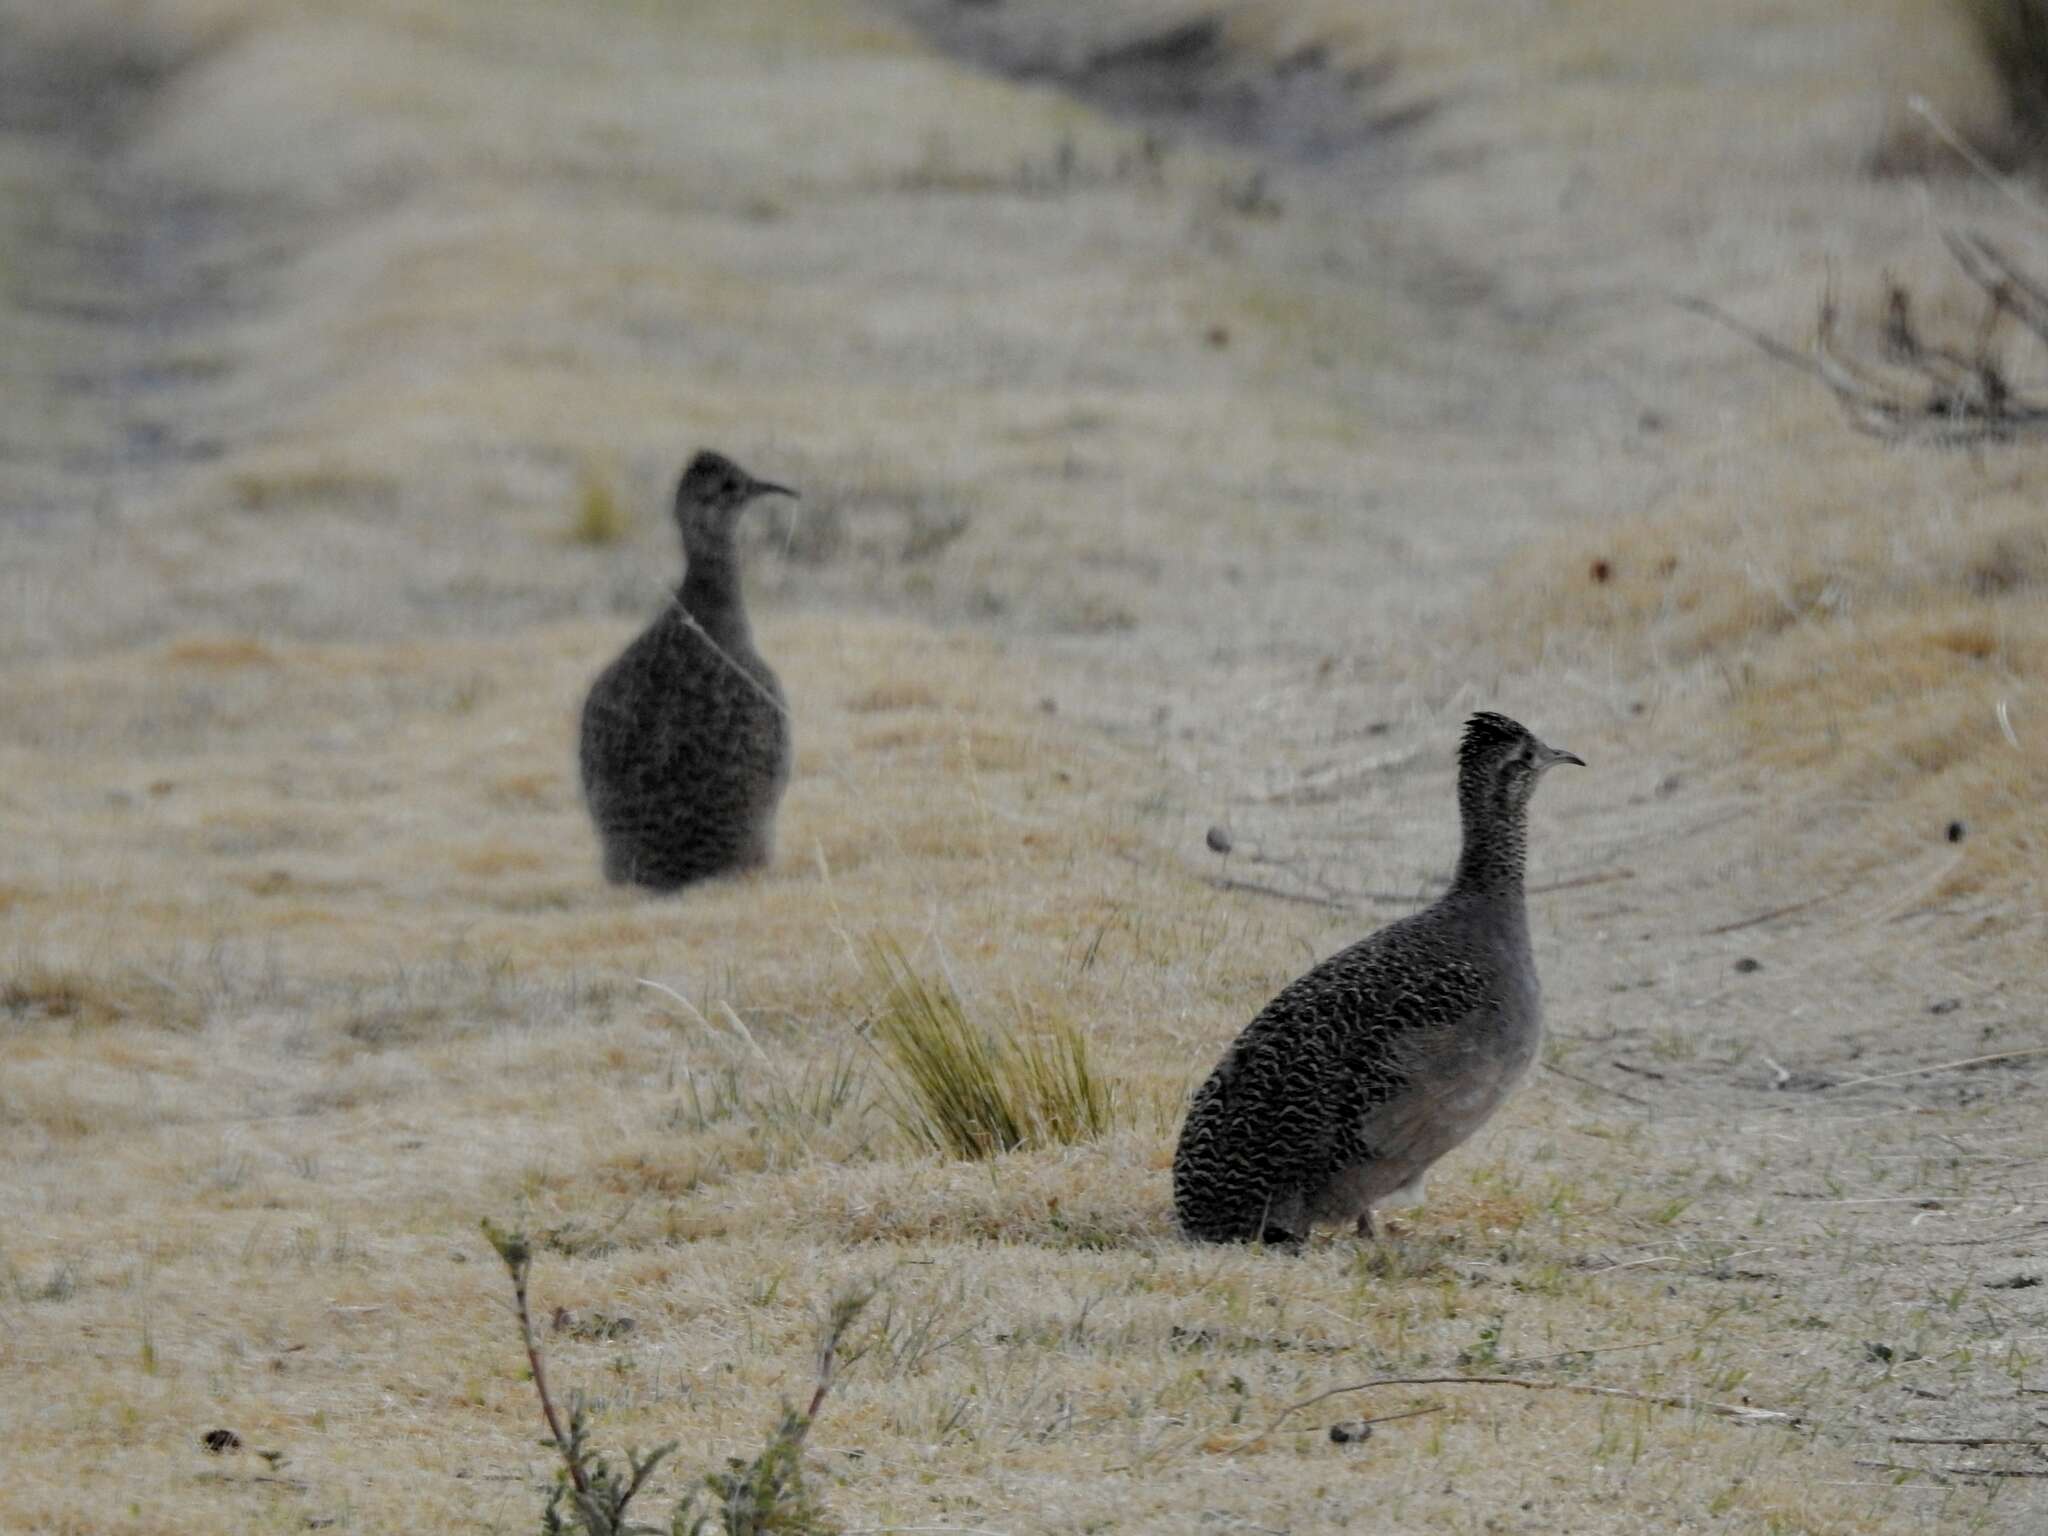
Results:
<point x="1354" y="1080"/>
<point x="685" y="741"/>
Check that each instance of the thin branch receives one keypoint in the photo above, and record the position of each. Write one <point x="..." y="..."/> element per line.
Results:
<point x="1939" y="1472"/>
<point x="1741" y="1413"/>
<point x="1593" y="1349"/>
<point x="1962" y="1440"/>
<point x="1577" y="881"/>
<point x="1942" y="1066"/>
<point x="1924" y="109"/>
<point x="1252" y="887"/>
<point x="1765" y="917"/>
<point x="1961" y="399"/>
<point x="1769" y="345"/>
<point x="1587" y="1082"/>
<point x="518" y="1257"/>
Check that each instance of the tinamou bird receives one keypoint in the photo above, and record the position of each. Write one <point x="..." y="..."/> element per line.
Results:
<point x="1353" y="1081"/>
<point x="685" y="742"/>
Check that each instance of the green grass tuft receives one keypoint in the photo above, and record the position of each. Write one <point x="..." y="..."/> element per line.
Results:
<point x="962" y="1090"/>
<point x="600" y="517"/>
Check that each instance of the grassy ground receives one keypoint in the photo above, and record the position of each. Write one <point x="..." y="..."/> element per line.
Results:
<point x="1150" y="483"/>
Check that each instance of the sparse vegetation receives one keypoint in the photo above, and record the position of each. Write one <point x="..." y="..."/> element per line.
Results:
<point x="766" y="1495"/>
<point x="601" y="517"/>
<point x="966" y="1090"/>
<point x="295" y="747"/>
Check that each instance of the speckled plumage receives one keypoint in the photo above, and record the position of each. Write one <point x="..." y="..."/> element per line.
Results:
<point x="685" y="741"/>
<point x="1361" y="1074"/>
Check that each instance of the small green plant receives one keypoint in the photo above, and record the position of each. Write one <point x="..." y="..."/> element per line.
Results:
<point x="766" y="1496"/>
<point x="963" y="1090"/>
<point x="600" y="517"/>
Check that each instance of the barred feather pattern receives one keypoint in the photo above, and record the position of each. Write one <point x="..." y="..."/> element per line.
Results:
<point x="1361" y="1074"/>
<point x="685" y="739"/>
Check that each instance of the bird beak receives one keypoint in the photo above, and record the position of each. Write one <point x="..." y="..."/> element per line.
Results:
<point x="770" y="488"/>
<point x="1552" y="756"/>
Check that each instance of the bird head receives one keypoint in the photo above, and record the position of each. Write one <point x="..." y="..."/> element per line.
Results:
<point x="1500" y="762"/>
<point x="712" y="492"/>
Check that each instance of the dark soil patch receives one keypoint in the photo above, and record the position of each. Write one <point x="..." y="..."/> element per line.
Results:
<point x="1308" y="106"/>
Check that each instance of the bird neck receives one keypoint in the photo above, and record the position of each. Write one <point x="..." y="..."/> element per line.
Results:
<point x="711" y="590"/>
<point x="1491" y="863"/>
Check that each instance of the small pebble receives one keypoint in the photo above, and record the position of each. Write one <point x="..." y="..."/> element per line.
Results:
<point x="1219" y="839"/>
<point x="1350" y="1432"/>
<point x="1946" y="1005"/>
<point x="1956" y="831"/>
<point x="1748" y="964"/>
<point x="221" y="1441"/>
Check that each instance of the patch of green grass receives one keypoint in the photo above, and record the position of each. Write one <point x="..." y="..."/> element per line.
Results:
<point x="964" y="1090"/>
<point x="600" y="517"/>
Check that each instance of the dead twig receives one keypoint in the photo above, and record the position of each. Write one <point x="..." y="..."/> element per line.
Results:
<point x="1766" y="917"/>
<point x="1924" y="392"/>
<point x="1941" y="1066"/>
<point x="1592" y="1349"/>
<point x="1940" y="1472"/>
<point x="1587" y="1082"/>
<point x="517" y="1253"/>
<point x="1577" y="881"/>
<point x="1253" y="888"/>
<point x="1740" y="1413"/>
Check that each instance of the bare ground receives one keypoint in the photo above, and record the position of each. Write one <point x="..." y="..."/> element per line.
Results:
<point x="1184" y="443"/>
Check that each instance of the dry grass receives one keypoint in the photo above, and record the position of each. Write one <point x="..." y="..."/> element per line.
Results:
<point x="1867" y="642"/>
<point x="307" y="965"/>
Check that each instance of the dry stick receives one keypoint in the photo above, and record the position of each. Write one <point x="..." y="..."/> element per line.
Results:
<point x="1960" y="1440"/>
<point x="540" y="1377"/>
<point x="1771" y="346"/>
<point x="1982" y="1242"/>
<point x="1943" y="1066"/>
<point x="1899" y="1466"/>
<point x="1395" y="898"/>
<point x="1765" y="917"/>
<point x="1577" y="881"/>
<point x="1595" y="1349"/>
<point x="1252" y="887"/>
<point x="1739" y="1413"/>
<point x="1587" y="1082"/>
<point x="1921" y="107"/>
